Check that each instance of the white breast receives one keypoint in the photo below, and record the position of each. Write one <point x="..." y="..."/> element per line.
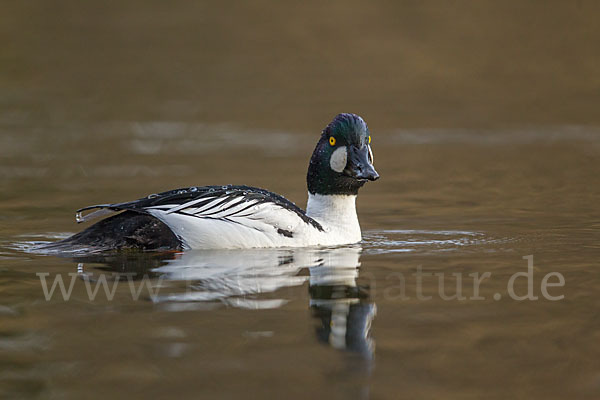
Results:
<point x="337" y="215"/>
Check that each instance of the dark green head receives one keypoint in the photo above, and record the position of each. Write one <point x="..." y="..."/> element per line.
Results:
<point x="342" y="161"/>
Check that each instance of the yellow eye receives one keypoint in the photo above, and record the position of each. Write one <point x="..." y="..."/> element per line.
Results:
<point x="369" y="139"/>
<point x="332" y="140"/>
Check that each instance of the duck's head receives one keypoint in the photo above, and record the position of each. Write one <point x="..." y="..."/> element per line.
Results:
<point x="343" y="160"/>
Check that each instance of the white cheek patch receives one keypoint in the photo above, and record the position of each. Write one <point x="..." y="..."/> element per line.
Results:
<point x="371" y="155"/>
<point x="338" y="159"/>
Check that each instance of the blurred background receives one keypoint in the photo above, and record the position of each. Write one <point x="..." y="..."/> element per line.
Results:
<point x="401" y="64"/>
<point x="142" y="96"/>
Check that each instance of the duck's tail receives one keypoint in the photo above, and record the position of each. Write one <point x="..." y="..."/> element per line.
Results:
<point x="126" y="230"/>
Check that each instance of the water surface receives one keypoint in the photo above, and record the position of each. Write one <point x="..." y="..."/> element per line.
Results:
<point x="347" y="322"/>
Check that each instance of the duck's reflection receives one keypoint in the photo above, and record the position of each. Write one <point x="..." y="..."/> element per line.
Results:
<point x="240" y="278"/>
<point x="343" y="307"/>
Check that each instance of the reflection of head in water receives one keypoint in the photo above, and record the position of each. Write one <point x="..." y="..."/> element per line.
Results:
<point x="342" y="307"/>
<point x="346" y="326"/>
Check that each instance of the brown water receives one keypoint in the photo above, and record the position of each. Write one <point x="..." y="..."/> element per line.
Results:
<point x="111" y="103"/>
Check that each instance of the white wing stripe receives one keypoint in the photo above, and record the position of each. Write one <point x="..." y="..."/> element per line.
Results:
<point x="230" y="208"/>
<point x="209" y="206"/>
<point x="186" y="205"/>
<point x="161" y="207"/>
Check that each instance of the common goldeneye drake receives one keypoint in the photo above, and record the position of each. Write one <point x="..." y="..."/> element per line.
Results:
<point x="212" y="217"/>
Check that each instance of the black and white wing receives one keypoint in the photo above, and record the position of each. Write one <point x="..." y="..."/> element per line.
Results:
<point x="235" y="216"/>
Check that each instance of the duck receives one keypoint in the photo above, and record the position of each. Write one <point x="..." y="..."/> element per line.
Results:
<point x="243" y="217"/>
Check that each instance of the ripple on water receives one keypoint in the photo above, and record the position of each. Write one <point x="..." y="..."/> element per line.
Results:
<point x="36" y="244"/>
<point x="405" y="241"/>
<point x="374" y="241"/>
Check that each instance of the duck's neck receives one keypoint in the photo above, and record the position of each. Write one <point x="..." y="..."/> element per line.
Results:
<point x="337" y="213"/>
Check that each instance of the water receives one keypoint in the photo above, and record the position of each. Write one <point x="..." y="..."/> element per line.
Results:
<point x="342" y="322"/>
<point x="107" y="104"/>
